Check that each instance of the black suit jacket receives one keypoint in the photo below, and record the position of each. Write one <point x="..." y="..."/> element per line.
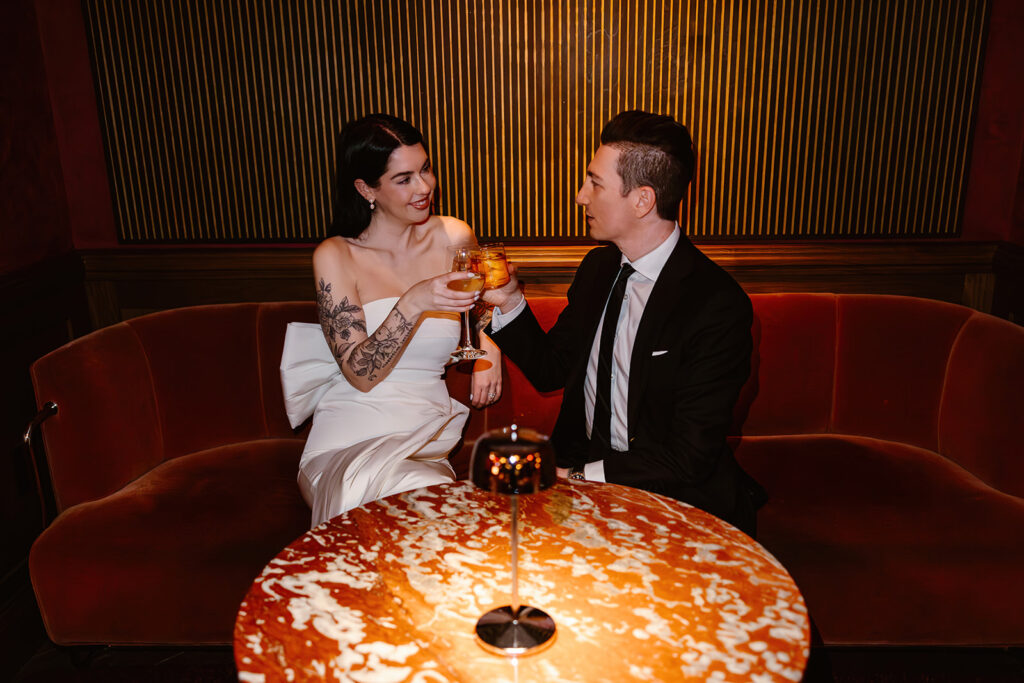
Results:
<point x="690" y="358"/>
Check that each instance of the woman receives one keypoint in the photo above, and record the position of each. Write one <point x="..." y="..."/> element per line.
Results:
<point x="383" y="422"/>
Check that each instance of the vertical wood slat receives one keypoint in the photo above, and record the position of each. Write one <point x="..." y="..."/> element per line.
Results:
<point x="810" y="120"/>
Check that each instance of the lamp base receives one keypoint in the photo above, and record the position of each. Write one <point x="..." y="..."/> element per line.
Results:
<point x="528" y="631"/>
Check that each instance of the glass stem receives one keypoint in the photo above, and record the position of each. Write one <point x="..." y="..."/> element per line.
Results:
<point x="515" y="556"/>
<point x="467" y="339"/>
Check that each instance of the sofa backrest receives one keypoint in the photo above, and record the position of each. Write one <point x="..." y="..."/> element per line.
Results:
<point x="982" y="405"/>
<point x="526" y="405"/>
<point x="790" y="388"/>
<point x="917" y="371"/>
<point x="867" y="365"/>
<point x="921" y="372"/>
<point x="137" y="393"/>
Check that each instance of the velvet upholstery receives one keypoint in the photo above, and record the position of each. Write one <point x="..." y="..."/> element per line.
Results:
<point x="168" y="558"/>
<point x="107" y="421"/>
<point x="883" y="428"/>
<point x="212" y="347"/>
<point x="791" y="369"/>
<point x="891" y="354"/>
<point x="528" y="406"/>
<point x="890" y="543"/>
<point x="981" y="411"/>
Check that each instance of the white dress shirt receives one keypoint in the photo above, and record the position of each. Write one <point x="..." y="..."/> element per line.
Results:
<point x="638" y="289"/>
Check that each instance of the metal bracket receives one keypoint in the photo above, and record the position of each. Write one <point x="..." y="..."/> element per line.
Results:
<point x="48" y="410"/>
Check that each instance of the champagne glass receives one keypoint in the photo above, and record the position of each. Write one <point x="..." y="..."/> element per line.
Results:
<point x="494" y="265"/>
<point x="467" y="260"/>
<point x="514" y="461"/>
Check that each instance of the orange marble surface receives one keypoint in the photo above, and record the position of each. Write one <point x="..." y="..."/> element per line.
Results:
<point x="641" y="587"/>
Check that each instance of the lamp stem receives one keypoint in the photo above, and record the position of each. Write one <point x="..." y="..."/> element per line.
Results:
<point x="515" y="556"/>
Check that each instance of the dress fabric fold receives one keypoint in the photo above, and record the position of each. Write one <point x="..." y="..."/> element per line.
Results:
<point x="369" y="445"/>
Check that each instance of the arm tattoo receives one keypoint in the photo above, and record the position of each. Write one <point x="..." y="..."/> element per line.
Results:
<point x="337" y="321"/>
<point x="381" y="349"/>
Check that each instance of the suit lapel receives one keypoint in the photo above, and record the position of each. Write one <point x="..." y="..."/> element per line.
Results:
<point x="593" y="285"/>
<point x="597" y="296"/>
<point x="660" y="307"/>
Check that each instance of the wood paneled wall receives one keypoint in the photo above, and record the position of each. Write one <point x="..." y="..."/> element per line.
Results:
<point x="811" y="120"/>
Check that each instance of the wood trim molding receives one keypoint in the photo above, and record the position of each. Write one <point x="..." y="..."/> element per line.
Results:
<point x="129" y="281"/>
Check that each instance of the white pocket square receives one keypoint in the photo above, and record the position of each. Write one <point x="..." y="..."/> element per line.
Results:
<point x="658" y="353"/>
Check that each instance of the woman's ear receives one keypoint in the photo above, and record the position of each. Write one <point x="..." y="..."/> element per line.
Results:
<point x="365" y="190"/>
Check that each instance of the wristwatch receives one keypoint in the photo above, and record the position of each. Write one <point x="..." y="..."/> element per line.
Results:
<point x="577" y="474"/>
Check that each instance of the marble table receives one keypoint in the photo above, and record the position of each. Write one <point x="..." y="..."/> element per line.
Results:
<point x="641" y="587"/>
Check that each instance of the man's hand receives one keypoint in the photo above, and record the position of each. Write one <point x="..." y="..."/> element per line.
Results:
<point x="562" y="472"/>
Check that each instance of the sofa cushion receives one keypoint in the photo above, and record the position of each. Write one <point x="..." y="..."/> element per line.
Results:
<point x="890" y="543"/>
<point x="168" y="558"/>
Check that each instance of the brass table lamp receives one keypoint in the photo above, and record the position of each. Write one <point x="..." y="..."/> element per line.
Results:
<point x="514" y="461"/>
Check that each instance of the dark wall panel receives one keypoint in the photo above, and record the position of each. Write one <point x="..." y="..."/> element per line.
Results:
<point x="810" y="119"/>
<point x="33" y="211"/>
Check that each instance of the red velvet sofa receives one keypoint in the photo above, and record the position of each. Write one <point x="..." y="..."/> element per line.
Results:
<point x="884" y="428"/>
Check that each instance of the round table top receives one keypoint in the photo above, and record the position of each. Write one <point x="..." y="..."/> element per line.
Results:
<point x="641" y="587"/>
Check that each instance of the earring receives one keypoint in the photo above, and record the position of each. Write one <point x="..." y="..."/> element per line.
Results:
<point x="371" y="204"/>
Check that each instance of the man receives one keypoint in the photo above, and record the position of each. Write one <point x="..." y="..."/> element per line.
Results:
<point x="654" y="343"/>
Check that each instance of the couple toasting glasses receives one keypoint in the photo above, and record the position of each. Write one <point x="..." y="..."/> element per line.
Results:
<point x="651" y="349"/>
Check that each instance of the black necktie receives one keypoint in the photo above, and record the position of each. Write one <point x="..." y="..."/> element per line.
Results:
<point x="600" y="431"/>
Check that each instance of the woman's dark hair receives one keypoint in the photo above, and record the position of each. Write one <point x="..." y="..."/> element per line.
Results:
<point x="364" y="147"/>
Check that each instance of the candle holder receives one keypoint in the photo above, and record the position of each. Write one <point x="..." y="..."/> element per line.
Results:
<point x="514" y="461"/>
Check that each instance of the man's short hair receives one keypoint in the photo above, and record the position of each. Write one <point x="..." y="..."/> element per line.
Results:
<point x="654" y="150"/>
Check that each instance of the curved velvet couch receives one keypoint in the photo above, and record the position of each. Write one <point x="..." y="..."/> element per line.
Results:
<point x="884" y="429"/>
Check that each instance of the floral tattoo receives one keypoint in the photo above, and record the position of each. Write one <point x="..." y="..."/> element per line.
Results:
<point x="382" y="348"/>
<point x="337" y="321"/>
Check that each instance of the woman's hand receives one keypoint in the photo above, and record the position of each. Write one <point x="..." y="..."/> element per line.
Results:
<point x="485" y="384"/>
<point x="434" y="294"/>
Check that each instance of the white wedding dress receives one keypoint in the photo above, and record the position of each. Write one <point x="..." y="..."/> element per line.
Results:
<point x="393" y="438"/>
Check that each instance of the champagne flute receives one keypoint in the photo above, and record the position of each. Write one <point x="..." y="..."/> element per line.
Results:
<point x="467" y="260"/>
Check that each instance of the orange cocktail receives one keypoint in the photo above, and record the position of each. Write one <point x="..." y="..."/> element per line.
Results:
<point x="494" y="265"/>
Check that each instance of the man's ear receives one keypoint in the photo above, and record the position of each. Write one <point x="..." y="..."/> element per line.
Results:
<point x="364" y="189"/>
<point x="644" y="201"/>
